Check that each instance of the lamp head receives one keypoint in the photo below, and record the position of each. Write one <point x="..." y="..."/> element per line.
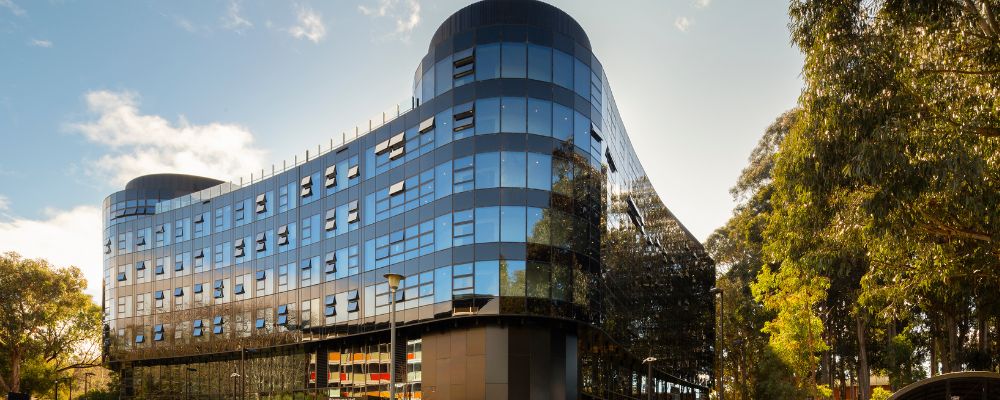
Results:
<point x="715" y="290"/>
<point x="649" y="360"/>
<point x="393" y="280"/>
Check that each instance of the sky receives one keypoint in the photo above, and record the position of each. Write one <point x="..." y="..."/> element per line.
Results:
<point x="93" y="94"/>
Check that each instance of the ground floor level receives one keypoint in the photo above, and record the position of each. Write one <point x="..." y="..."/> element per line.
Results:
<point x="461" y="359"/>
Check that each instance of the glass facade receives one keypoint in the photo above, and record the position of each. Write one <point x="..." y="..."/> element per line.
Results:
<point x="510" y="194"/>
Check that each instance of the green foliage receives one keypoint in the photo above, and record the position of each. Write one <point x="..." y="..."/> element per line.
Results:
<point x="880" y="394"/>
<point x="50" y="326"/>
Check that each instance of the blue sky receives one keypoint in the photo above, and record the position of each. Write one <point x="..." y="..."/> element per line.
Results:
<point x="93" y="93"/>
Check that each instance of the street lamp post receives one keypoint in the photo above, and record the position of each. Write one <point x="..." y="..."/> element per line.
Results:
<point x="722" y="338"/>
<point x="70" y="380"/>
<point x="86" y="382"/>
<point x="57" y="390"/>
<point x="394" y="280"/>
<point x="649" y="376"/>
<point x="236" y="376"/>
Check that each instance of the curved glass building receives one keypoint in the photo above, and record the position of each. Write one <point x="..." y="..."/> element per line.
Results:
<point x="539" y="262"/>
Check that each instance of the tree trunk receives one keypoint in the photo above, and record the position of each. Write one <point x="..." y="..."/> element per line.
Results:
<point x="864" y="375"/>
<point x="843" y="380"/>
<point x="15" y="371"/>
<point x="934" y="353"/>
<point x="952" y="343"/>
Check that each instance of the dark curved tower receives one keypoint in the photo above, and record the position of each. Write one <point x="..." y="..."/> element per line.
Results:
<point x="538" y="260"/>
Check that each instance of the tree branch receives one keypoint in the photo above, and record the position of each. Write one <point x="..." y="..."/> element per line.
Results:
<point x="988" y="131"/>
<point x="959" y="71"/>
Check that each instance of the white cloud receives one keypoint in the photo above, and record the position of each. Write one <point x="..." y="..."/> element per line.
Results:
<point x="10" y="5"/>
<point x="233" y="20"/>
<point x="63" y="237"/>
<point x="40" y="43"/>
<point x="186" y="24"/>
<point x="683" y="24"/>
<point x="702" y="3"/>
<point x="405" y="13"/>
<point x="144" y="144"/>
<point x="310" y="26"/>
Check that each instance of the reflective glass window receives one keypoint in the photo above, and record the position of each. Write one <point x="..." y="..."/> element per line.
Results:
<point x="512" y="169"/>
<point x="562" y="69"/>
<point x="442" y="76"/>
<point x="487" y="116"/>
<point x="487" y="62"/>
<point x="442" y="180"/>
<point x="514" y="59"/>
<point x="443" y="235"/>
<point x="562" y="176"/>
<point x="538" y="276"/>
<point x="487" y="279"/>
<point x="487" y="170"/>
<point x="582" y="79"/>
<point x="512" y="279"/>
<point x="442" y="284"/>
<point x="512" y="114"/>
<point x="561" y="282"/>
<point x="562" y="122"/>
<point x="581" y="131"/>
<point x="539" y="171"/>
<point x="487" y="224"/>
<point x="540" y="117"/>
<point x="427" y="86"/>
<point x="512" y="220"/>
<point x="537" y="225"/>
<point x="539" y="63"/>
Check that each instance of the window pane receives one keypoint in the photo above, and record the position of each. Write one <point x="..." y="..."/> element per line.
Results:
<point x="582" y="82"/>
<point x="512" y="219"/>
<point x="539" y="171"/>
<point x="427" y="86"/>
<point x="442" y="75"/>
<point x="562" y="122"/>
<point x="487" y="62"/>
<point x="514" y="60"/>
<point x="487" y="279"/>
<point x="512" y="166"/>
<point x="442" y="232"/>
<point x="487" y="116"/>
<point x="512" y="280"/>
<point x="538" y="226"/>
<point x="560" y="282"/>
<point x="487" y="170"/>
<point x="512" y="114"/>
<point x="562" y="176"/>
<point x="562" y="69"/>
<point x="487" y="224"/>
<point x="442" y="284"/>
<point x="538" y="276"/>
<point x="540" y="117"/>
<point x="581" y="131"/>
<point x="539" y="63"/>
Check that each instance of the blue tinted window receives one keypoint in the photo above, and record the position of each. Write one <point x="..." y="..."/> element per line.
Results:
<point x="487" y="279"/>
<point x="487" y="170"/>
<point x="539" y="171"/>
<point x="427" y="85"/>
<point x="538" y="226"/>
<point x="582" y="82"/>
<point x="512" y="114"/>
<point x="442" y="76"/>
<point x="539" y="63"/>
<point x="442" y="284"/>
<point x="487" y="62"/>
<point x="487" y="224"/>
<point x="442" y="128"/>
<point x="512" y="169"/>
<point x="512" y="279"/>
<point x="562" y="69"/>
<point x="442" y="180"/>
<point x="581" y="132"/>
<point x="515" y="60"/>
<point x="443" y="233"/>
<point x="487" y="116"/>
<point x="512" y="221"/>
<point x="562" y="122"/>
<point x="540" y="117"/>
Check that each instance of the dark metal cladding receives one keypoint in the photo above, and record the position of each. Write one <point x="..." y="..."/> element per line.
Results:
<point x="166" y="186"/>
<point x="510" y="12"/>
